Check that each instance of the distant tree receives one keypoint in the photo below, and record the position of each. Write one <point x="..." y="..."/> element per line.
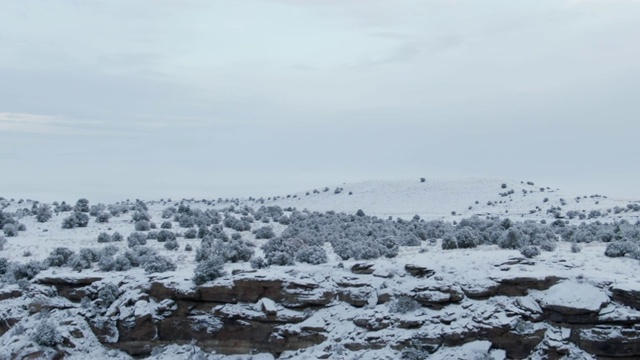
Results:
<point x="82" y="205"/>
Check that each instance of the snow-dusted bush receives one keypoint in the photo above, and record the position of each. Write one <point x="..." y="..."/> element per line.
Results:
<point x="136" y="239"/>
<point x="281" y="251"/>
<point x="59" y="256"/>
<point x="166" y="225"/>
<point x="512" y="239"/>
<point x="4" y="265"/>
<point x="140" y="215"/>
<point x="164" y="235"/>
<point x="232" y="250"/>
<point x="188" y="248"/>
<point x="466" y="237"/>
<point x="158" y="264"/>
<point x="108" y="250"/>
<point x="143" y="225"/>
<point x="530" y="251"/>
<point x="103" y="237"/>
<point x="152" y="235"/>
<point x="43" y="213"/>
<point x="258" y="263"/>
<point x="403" y="304"/>
<point x="82" y="205"/>
<point x="116" y="236"/>
<point x="97" y="209"/>
<point x="209" y="269"/>
<point x="103" y="217"/>
<point x="265" y="232"/>
<point x="575" y="247"/>
<point x="171" y="244"/>
<point x="46" y="334"/>
<point x="236" y="224"/>
<point x="191" y="234"/>
<point x="312" y="254"/>
<point x="168" y="212"/>
<point x="3" y="242"/>
<point x="108" y="294"/>
<point x="122" y="263"/>
<point x="10" y="230"/>
<point x="449" y="242"/>
<point x="77" y="219"/>
<point x="619" y="248"/>
<point x="26" y="271"/>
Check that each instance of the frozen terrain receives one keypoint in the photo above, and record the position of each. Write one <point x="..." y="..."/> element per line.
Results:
<point x="485" y="302"/>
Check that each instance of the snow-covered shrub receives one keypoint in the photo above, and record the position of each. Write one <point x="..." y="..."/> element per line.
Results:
<point x="116" y="236"/>
<point x="171" y="244"/>
<point x="236" y="224"/>
<point x="619" y="248"/>
<point x="575" y="247"/>
<point x="258" y="263"/>
<point x="512" y="239"/>
<point x="312" y="254"/>
<point x="152" y="235"/>
<point x="232" y="250"/>
<point x="166" y="225"/>
<point x="26" y="271"/>
<point x="103" y="217"/>
<point x="122" y="263"/>
<point x="59" y="256"/>
<point x="209" y="269"/>
<point x="78" y="263"/>
<point x="43" y="213"/>
<point x="466" y="238"/>
<point x="143" y="225"/>
<point x="103" y="237"/>
<point x="3" y="242"/>
<point x="106" y="263"/>
<point x="530" y="251"/>
<point x="77" y="219"/>
<point x="140" y="215"/>
<point x="95" y="210"/>
<point x="108" y="294"/>
<point x="191" y="234"/>
<point x="4" y="266"/>
<point x="10" y="230"/>
<point x="265" y="232"/>
<point x="159" y="264"/>
<point x="168" y="212"/>
<point x="108" y="250"/>
<point x="403" y="304"/>
<point x="46" y="334"/>
<point x="136" y="239"/>
<point x="449" y="242"/>
<point x="281" y="251"/>
<point x="164" y="235"/>
<point x="188" y="248"/>
<point x="82" y="205"/>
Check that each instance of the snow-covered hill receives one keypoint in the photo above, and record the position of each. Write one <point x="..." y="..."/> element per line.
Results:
<point x="439" y="198"/>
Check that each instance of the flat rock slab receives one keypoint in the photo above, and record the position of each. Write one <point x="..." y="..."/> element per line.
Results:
<point x="570" y="298"/>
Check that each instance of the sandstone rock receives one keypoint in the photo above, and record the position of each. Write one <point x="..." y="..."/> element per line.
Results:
<point x="362" y="268"/>
<point x="520" y="285"/>
<point x="418" y="271"/>
<point x="609" y="341"/>
<point x="627" y="294"/>
<point x="569" y="298"/>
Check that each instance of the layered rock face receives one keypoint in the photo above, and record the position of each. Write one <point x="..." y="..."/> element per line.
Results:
<point x="321" y="312"/>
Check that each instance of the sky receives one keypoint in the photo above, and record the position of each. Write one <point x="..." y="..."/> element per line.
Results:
<point x="195" y="98"/>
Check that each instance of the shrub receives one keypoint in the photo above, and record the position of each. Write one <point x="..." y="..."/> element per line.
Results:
<point x="164" y="235"/>
<point x="104" y="238"/>
<point x="466" y="238"/>
<point x="140" y="215"/>
<point x="191" y="234"/>
<point x="512" y="239"/>
<point x="43" y="213"/>
<point x="152" y="235"/>
<point x="171" y="244"/>
<point x="188" y="248"/>
<point x="312" y="254"/>
<point x="208" y="270"/>
<point x="95" y="210"/>
<point x="59" y="256"/>
<point x="166" y="225"/>
<point x="10" y="230"/>
<point x="403" y="304"/>
<point x="78" y="263"/>
<point x="619" y="249"/>
<point x="137" y="239"/>
<point x="3" y="242"/>
<point x="82" y="205"/>
<point x="108" y="294"/>
<point x="46" y="334"/>
<point x="77" y="219"/>
<point x="265" y="232"/>
<point x="575" y="247"/>
<point x="258" y="263"/>
<point x="449" y="242"/>
<point x="143" y="225"/>
<point x="26" y="271"/>
<point x="159" y="264"/>
<point x="116" y="236"/>
<point x="530" y="251"/>
<point x="4" y="266"/>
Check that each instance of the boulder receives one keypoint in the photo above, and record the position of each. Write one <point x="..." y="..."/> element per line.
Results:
<point x="418" y="271"/>
<point x="570" y="298"/>
<point x="626" y="293"/>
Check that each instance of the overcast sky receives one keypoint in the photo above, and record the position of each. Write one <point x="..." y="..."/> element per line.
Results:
<point x="147" y="99"/>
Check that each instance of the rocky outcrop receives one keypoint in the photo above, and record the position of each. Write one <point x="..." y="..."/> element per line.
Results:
<point x="253" y="312"/>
